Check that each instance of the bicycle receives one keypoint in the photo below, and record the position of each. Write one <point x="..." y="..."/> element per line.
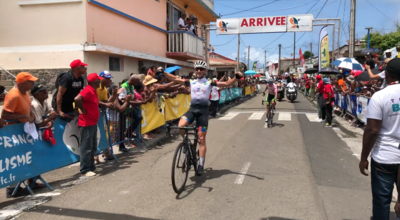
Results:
<point x="185" y="151"/>
<point x="271" y="114"/>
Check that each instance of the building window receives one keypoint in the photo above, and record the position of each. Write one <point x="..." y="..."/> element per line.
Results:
<point x="114" y="64"/>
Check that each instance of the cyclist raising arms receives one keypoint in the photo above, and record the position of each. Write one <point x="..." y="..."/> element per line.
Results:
<point x="271" y="96"/>
<point x="200" y="90"/>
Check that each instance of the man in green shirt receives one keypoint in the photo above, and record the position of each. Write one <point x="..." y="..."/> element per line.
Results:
<point x="131" y="113"/>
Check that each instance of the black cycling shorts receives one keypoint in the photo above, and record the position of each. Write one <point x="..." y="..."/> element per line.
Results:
<point x="200" y="115"/>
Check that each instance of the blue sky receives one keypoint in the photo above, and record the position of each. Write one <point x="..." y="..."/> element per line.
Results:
<point x="380" y="15"/>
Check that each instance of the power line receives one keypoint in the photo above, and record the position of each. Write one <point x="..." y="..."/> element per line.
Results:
<point x="379" y="10"/>
<point x="340" y="4"/>
<point x="306" y="32"/>
<point x="225" y="43"/>
<point x="250" y="8"/>
<point x="282" y="9"/>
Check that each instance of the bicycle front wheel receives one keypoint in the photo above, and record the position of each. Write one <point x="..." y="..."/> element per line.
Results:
<point x="180" y="168"/>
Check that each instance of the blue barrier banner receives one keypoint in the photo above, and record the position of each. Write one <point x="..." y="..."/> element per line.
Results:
<point x="222" y="97"/>
<point x="353" y="101"/>
<point x="336" y="99"/>
<point x="228" y="95"/>
<point x="23" y="158"/>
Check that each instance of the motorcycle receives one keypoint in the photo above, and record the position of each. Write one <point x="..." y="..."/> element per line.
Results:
<point x="281" y="91"/>
<point x="291" y="93"/>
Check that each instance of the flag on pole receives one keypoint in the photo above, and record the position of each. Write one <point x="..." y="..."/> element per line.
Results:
<point x="323" y="48"/>
<point x="302" y="58"/>
<point x="255" y="65"/>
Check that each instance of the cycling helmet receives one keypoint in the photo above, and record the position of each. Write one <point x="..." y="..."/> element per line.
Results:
<point x="200" y="64"/>
<point x="270" y="80"/>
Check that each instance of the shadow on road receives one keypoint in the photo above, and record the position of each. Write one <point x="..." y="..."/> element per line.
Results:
<point x="276" y="218"/>
<point x="209" y="174"/>
<point x="84" y="214"/>
<point x="278" y="125"/>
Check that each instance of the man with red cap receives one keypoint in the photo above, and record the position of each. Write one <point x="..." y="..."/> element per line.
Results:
<point x="88" y="102"/>
<point x="68" y="86"/>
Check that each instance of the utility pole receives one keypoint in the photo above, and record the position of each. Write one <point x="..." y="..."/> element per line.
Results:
<point x="352" y="28"/>
<point x="279" y="61"/>
<point x="248" y="58"/>
<point x="238" y="55"/>
<point x="294" y="51"/>
<point x="265" y="60"/>
<point x="311" y="49"/>
<point x="369" y="29"/>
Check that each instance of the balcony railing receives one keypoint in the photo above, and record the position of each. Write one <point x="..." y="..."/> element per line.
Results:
<point x="185" y="45"/>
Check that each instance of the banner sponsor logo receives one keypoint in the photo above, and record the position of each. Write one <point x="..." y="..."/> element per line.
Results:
<point x="300" y="23"/>
<point x="22" y="157"/>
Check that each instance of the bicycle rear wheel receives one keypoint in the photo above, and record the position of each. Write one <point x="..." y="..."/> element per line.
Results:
<point x="180" y="169"/>
<point x="270" y="123"/>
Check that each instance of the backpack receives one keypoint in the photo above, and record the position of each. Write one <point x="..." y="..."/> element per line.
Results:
<point x="54" y="100"/>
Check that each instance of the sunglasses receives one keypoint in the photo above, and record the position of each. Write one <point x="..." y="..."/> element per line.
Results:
<point x="201" y="69"/>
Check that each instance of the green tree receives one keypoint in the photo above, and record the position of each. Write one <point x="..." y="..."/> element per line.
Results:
<point x="383" y="41"/>
<point x="307" y="54"/>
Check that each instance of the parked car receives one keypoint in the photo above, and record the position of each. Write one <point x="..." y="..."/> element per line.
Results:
<point x="263" y="79"/>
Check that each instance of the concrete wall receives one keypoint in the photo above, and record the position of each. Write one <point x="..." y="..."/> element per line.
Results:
<point x="47" y="77"/>
<point x="109" y="28"/>
<point x="97" y="62"/>
<point x="32" y="59"/>
<point x="45" y="24"/>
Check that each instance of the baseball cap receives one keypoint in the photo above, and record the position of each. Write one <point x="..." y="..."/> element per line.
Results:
<point x="106" y="74"/>
<point x="318" y="77"/>
<point x="93" y="77"/>
<point x="25" y="76"/>
<point x="49" y="136"/>
<point x="326" y="80"/>
<point x="368" y="54"/>
<point x="77" y="63"/>
<point x="37" y="87"/>
<point x="393" y="66"/>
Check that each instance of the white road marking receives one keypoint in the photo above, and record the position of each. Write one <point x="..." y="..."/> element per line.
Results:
<point x="312" y="117"/>
<point x="266" y="125"/>
<point x="256" y="116"/>
<point x="229" y="116"/>
<point x="240" y="178"/>
<point x="285" y="117"/>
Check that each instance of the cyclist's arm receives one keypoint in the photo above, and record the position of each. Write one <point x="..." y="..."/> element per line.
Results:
<point x="266" y="88"/>
<point x="276" y="91"/>
<point x="174" y="78"/>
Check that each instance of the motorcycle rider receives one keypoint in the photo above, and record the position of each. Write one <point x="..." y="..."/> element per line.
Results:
<point x="290" y="78"/>
<point x="271" y="96"/>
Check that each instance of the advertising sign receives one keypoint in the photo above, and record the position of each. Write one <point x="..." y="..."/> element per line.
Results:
<point x="323" y="48"/>
<point x="22" y="157"/>
<point x="269" y="24"/>
<point x="300" y="23"/>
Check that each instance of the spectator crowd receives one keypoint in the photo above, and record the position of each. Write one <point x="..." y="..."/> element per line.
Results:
<point x="119" y="100"/>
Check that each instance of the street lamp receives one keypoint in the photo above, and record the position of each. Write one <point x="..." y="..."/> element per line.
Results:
<point x="369" y="29"/>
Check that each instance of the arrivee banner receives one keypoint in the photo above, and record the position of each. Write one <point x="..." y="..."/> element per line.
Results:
<point x="269" y="24"/>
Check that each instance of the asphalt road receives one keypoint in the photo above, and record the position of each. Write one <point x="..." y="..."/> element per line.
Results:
<point x="296" y="170"/>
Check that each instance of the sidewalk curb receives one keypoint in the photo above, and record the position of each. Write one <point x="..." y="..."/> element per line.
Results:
<point x="339" y="122"/>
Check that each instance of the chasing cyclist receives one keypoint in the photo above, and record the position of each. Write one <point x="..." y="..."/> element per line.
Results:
<point x="271" y="96"/>
<point x="200" y="90"/>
